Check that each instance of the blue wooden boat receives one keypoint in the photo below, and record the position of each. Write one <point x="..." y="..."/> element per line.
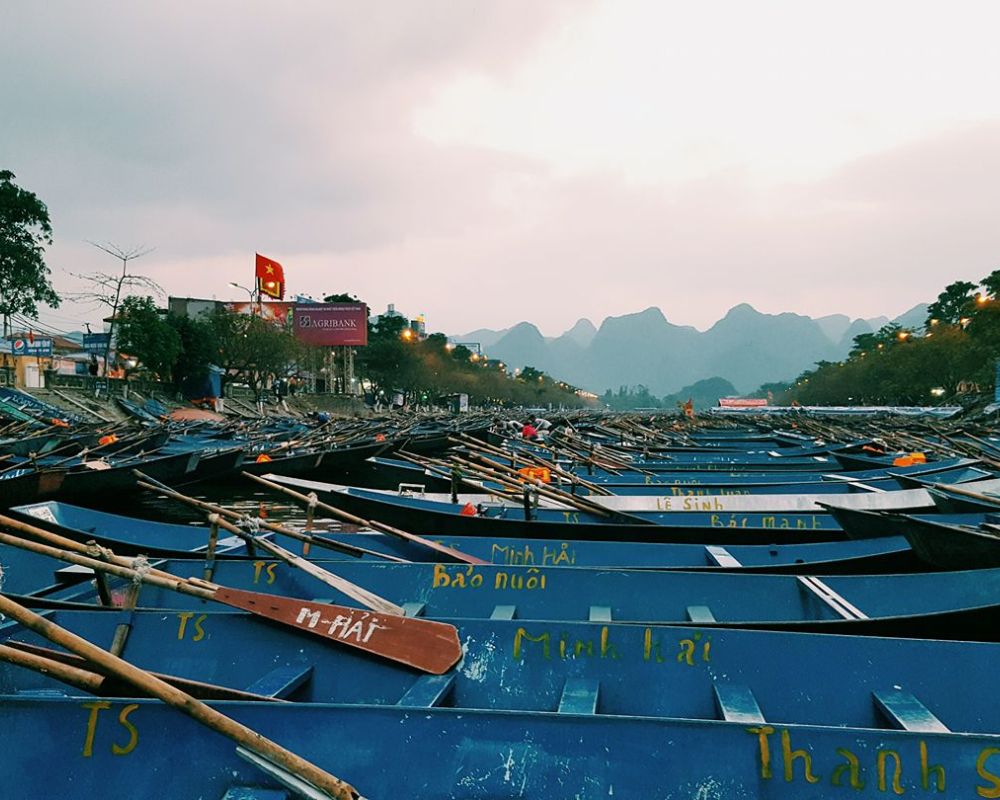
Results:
<point x="129" y="536"/>
<point x="92" y="478"/>
<point x="532" y="711"/>
<point x="654" y="507"/>
<point x="862" y="525"/>
<point x="980" y="496"/>
<point x="943" y="543"/>
<point x="948" y="605"/>
<point x="413" y="513"/>
<point x="389" y="472"/>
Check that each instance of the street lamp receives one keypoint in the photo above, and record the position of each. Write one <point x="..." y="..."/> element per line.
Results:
<point x="244" y="288"/>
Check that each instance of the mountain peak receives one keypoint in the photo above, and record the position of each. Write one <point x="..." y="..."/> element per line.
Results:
<point x="582" y="332"/>
<point x="742" y="311"/>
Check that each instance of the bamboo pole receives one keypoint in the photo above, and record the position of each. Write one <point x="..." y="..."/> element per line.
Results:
<point x="154" y="485"/>
<point x="245" y="737"/>
<point x="373" y="524"/>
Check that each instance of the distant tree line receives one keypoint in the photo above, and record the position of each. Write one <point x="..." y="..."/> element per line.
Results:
<point x="255" y="351"/>
<point x="952" y="356"/>
<point x="702" y="394"/>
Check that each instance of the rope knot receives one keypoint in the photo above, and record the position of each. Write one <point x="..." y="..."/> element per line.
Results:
<point x="142" y="567"/>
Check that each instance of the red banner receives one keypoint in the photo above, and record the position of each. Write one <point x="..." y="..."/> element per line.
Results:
<point x="332" y="324"/>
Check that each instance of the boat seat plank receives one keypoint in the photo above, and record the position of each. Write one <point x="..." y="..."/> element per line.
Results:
<point x="600" y="614"/>
<point x="736" y="703"/>
<point x="701" y="614"/>
<point x="73" y="572"/>
<point x="298" y="787"/>
<point x="413" y="609"/>
<point x="427" y="691"/>
<point x="721" y="557"/>
<point x="503" y="612"/>
<point x="906" y="712"/>
<point x="579" y="696"/>
<point x="281" y="681"/>
<point x="254" y="793"/>
<point x="829" y="597"/>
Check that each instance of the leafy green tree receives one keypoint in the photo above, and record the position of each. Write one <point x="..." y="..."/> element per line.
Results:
<point x="24" y="232"/>
<point x="251" y="349"/>
<point x="343" y="297"/>
<point x="145" y="335"/>
<point x="198" y="348"/>
<point x="953" y="304"/>
<point x="991" y="284"/>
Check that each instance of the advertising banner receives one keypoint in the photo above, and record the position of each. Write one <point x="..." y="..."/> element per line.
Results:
<point x="278" y="313"/>
<point x="95" y="343"/>
<point x="332" y="324"/>
<point x="21" y="346"/>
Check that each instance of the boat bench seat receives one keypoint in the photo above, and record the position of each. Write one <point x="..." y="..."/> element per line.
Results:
<point x="73" y="573"/>
<point x="720" y="556"/>
<point x="600" y="614"/>
<point x="579" y="696"/>
<point x="254" y="793"/>
<point x="413" y="609"/>
<point x="427" y="691"/>
<point x="297" y="786"/>
<point x="906" y="712"/>
<point x="842" y="607"/>
<point x="281" y="681"/>
<point x="736" y="703"/>
<point x="503" y="612"/>
<point x="700" y="614"/>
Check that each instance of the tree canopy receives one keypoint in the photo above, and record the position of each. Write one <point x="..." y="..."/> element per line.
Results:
<point x="145" y="335"/>
<point x="25" y="230"/>
<point x="953" y="356"/>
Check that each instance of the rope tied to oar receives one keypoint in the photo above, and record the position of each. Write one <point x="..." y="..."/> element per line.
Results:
<point x="95" y="550"/>
<point x="142" y="567"/>
<point x="313" y="499"/>
<point x="250" y="524"/>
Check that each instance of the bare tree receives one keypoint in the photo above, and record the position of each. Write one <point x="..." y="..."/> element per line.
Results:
<point x="106" y="289"/>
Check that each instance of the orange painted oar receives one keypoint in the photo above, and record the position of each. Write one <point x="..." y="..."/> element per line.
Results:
<point x="420" y="643"/>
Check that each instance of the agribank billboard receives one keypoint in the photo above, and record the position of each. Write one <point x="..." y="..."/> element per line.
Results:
<point x="332" y="324"/>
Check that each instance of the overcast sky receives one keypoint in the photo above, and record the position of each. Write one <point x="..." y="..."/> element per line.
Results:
<point x="490" y="162"/>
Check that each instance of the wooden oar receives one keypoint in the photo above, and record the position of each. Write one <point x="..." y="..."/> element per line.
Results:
<point x="472" y="444"/>
<point x="420" y="643"/>
<point x="154" y="485"/>
<point x="245" y="737"/>
<point x="572" y="500"/>
<point x="441" y="549"/>
<point x="352" y="590"/>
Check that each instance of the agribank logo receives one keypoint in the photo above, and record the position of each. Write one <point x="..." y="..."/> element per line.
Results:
<point x="306" y="321"/>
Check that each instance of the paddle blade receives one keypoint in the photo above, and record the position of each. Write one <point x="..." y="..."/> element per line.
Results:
<point x="420" y="643"/>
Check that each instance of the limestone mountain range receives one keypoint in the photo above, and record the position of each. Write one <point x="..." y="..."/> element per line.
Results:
<point x="746" y="347"/>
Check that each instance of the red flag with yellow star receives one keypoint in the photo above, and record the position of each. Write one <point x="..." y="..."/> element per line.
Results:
<point x="270" y="277"/>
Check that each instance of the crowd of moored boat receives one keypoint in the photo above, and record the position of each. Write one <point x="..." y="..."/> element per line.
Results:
<point x="620" y="605"/>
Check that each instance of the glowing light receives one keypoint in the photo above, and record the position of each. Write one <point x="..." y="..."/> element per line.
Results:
<point x="406" y="334"/>
<point x="903" y="336"/>
<point x="937" y="391"/>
